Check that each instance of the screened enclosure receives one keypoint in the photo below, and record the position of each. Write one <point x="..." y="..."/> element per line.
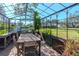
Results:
<point x="58" y="20"/>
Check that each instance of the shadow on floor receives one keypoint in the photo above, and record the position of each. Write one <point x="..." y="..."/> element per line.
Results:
<point x="6" y="51"/>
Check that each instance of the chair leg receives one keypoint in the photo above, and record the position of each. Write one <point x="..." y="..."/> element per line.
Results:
<point x="23" y="50"/>
<point x="36" y="52"/>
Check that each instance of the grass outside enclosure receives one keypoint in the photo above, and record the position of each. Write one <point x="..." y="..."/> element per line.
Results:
<point x="4" y="28"/>
<point x="73" y="33"/>
<point x="3" y="32"/>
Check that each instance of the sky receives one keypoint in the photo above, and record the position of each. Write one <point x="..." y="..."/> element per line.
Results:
<point x="57" y="7"/>
<point x="45" y="11"/>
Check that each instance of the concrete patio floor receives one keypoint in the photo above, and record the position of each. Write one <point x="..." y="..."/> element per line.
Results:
<point x="45" y="51"/>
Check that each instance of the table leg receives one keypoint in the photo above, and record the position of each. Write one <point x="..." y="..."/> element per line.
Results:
<point x="39" y="48"/>
<point x="17" y="49"/>
<point x="23" y="49"/>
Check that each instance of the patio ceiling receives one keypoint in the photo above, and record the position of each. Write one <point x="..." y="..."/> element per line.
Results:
<point x="44" y="10"/>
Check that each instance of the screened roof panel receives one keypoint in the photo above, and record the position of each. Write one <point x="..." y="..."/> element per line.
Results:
<point x="5" y="9"/>
<point x="48" y="4"/>
<point x="44" y="9"/>
<point x="56" y="7"/>
<point x="67" y="4"/>
<point x="10" y="8"/>
<point x="74" y="9"/>
<point x="40" y="6"/>
<point x="51" y="11"/>
<point x="41" y="12"/>
<point x="10" y="15"/>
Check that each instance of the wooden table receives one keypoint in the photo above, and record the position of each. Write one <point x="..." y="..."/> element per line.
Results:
<point x="28" y="37"/>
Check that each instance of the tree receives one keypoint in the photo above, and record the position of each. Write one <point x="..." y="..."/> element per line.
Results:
<point x="37" y="21"/>
<point x="19" y="9"/>
<point x="23" y="8"/>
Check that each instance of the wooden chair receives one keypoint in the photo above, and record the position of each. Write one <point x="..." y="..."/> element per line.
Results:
<point x="20" y="45"/>
<point x="20" y="49"/>
<point x="39" y="35"/>
<point x="30" y="47"/>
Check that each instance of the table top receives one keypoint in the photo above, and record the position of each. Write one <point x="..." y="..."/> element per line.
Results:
<point x="28" y="37"/>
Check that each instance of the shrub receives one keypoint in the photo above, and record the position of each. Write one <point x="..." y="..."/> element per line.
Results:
<point x="69" y="48"/>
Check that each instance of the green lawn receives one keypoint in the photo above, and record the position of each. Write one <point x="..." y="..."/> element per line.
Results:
<point x="73" y="33"/>
<point x="4" y="28"/>
<point x="3" y="32"/>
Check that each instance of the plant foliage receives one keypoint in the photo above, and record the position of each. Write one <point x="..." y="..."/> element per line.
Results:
<point x="37" y="21"/>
